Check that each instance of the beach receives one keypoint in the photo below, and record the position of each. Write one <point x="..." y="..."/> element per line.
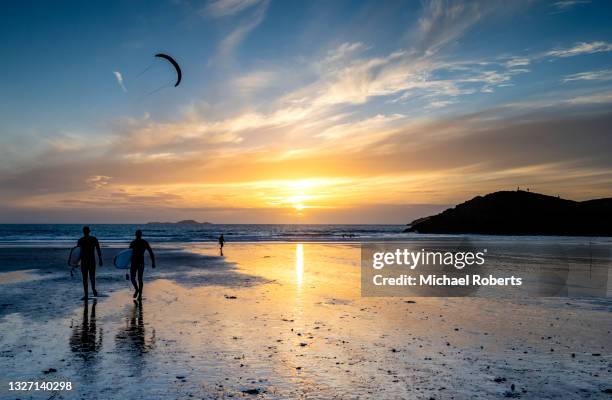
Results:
<point x="264" y="199"/>
<point x="285" y="320"/>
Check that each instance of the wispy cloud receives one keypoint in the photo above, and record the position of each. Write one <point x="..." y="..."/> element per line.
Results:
<point x="344" y="51"/>
<point x="581" y="48"/>
<point x="441" y="21"/>
<point x="517" y="62"/>
<point x="566" y="5"/>
<point x="98" y="181"/>
<point x="578" y="49"/>
<point x="402" y="75"/>
<point x="119" y="79"/>
<point x="595" y="98"/>
<point x="440" y="103"/>
<point x="224" y="8"/>
<point x="255" y="81"/>
<point x="601" y="75"/>
<point x="246" y="25"/>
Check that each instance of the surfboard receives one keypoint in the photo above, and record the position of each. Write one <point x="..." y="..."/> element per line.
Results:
<point x="74" y="259"/>
<point x="123" y="259"/>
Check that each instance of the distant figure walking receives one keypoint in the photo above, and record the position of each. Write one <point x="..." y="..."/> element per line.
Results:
<point x="138" y="246"/>
<point x="89" y="246"/>
<point x="221" y="243"/>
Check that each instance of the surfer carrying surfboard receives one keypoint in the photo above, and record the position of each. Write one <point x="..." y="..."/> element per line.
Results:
<point x="89" y="246"/>
<point x="139" y="246"/>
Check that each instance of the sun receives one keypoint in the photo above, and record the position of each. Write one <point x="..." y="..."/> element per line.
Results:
<point x="298" y="199"/>
<point x="298" y="195"/>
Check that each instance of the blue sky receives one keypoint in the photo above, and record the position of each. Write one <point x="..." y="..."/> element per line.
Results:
<point x="298" y="111"/>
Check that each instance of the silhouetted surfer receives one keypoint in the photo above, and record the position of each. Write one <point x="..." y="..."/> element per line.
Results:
<point x="138" y="246"/>
<point x="221" y="243"/>
<point x="89" y="245"/>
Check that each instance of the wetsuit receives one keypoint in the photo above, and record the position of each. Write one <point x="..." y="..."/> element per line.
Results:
<point x="138" y="246"/>
<point x="89" y="246"/>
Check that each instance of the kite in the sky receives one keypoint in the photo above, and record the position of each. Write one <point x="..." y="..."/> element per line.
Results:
<point x="165" y="57"/>
<point x="179" y="74"/>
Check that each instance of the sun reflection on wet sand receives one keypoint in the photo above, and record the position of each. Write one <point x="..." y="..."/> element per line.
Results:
<point x="299" y="264"/>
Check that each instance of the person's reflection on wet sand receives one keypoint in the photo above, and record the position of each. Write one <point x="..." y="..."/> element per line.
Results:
<point x="86" y="339"/>
<point x="132" y="340"/>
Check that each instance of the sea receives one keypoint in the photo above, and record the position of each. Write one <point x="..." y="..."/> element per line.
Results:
<point x="588" y="258"/>
<point x="107" y="234"/>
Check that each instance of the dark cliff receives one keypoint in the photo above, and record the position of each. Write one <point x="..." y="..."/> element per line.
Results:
<point x="521" y="213"/>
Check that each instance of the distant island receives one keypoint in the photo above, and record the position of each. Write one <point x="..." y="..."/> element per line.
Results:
<point x="521" y="213"/>
<point x="183" y="222"/>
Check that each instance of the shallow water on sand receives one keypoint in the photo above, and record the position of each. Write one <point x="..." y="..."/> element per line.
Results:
<point x="287" y="321"/>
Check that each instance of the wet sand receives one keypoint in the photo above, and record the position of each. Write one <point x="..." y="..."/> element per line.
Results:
<point x="288" y="321"/>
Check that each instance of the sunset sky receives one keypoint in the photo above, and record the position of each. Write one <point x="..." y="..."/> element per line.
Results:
<point x="298" y="112"/>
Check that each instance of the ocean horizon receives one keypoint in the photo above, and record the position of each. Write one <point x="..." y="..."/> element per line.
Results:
<point x="116" y="235"/>
<point x="109" y="234"/>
